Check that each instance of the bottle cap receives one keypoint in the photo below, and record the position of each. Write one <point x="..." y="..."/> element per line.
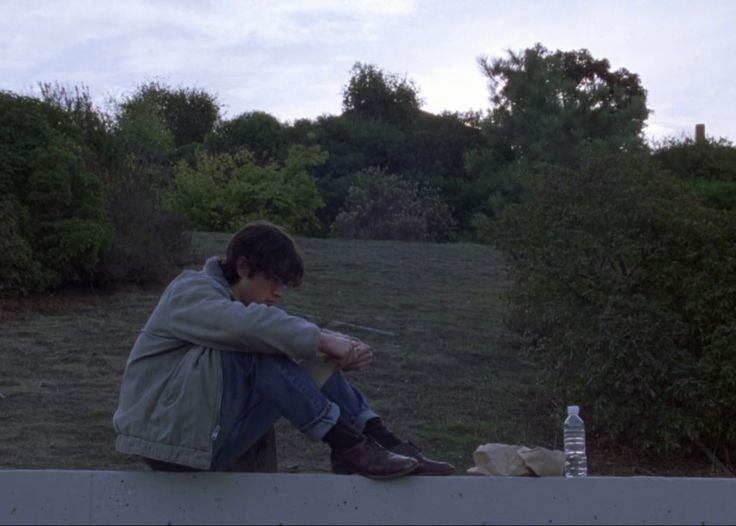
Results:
<point x="573" y="409"/>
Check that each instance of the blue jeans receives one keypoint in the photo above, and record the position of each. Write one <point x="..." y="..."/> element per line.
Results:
<point x="258" y="389"/>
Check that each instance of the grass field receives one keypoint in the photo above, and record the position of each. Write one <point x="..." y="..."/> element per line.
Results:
<point x="446" y="376"/>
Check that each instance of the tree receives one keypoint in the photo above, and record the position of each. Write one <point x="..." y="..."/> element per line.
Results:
<point x="371" y="93"/>
<point x="428" y="149"/>
<point x="434" y="146"/>
<point x="257" y="131"/>
<point x="76" y="102"/>
<point x="142" y="132"/>
<point x="549" y="106"/>
<point x="434" y="152"/>
<point x="188" y="114"/>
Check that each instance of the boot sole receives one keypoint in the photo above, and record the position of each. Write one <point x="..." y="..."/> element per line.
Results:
<point x="421" y="473"/>
<point x="407" y="471"/>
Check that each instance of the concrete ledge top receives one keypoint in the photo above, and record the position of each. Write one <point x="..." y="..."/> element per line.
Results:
<point x="116" y="497"/>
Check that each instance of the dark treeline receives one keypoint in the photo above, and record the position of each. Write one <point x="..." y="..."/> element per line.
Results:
<point x="623" y="252"/>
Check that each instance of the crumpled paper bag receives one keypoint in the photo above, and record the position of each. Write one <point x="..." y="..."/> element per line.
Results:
<point x="511" y="460"/>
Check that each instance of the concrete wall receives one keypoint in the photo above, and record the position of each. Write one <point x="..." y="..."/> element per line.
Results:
<point x="110" y="497"/>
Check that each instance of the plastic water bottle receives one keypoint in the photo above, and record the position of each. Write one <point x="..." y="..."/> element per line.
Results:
<point x="576" y="462"/>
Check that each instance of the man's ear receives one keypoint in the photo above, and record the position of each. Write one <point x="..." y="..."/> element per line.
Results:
<point x="241" y="264"/>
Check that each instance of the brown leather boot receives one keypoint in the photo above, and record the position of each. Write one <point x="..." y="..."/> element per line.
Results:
<point x="426" y="466"/>
<point x="372" y="461"/>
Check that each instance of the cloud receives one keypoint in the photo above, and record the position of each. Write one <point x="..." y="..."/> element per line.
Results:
<point x="293" y="56"/>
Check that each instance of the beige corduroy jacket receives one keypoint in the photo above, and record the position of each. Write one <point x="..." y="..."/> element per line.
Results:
<point x="171" y="390"/>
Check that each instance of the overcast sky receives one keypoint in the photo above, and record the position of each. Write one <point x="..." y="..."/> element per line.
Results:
<point x="292" y="58"/>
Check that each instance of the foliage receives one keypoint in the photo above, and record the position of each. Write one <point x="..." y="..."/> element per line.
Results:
<point x="130" y="155"/>
<point x="371" y="93"/>
<point x="548" y="105"/>
<point x="720" y="195"/>
<point x="490" y="184"/>
<point x="157" y="126"/>
<point x="708" y="168"/>
<point x="53" y="210"/>
<point x="142" y="133"/>
<point x="711" y="160"/>
<point x="224" y="191"/>
<point x="551" y="108"/>
<point x="385" y="206"/>
<point x="437" y="145"/>
<point x="355" y="144"/>
<point x="94" y="125"/>
<point x="149" y="243"/>
<point x="256" y="131"/>
<point x="334" y="191"/>
<point x="427" y="148"/>
<point x="18" y="270"/>
<point x="625" y="294"/>
<point x="187" y="114"/>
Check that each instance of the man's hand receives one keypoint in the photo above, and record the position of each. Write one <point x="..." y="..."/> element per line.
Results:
<point x="360" y="357"/>
<point x="348" y="353"/>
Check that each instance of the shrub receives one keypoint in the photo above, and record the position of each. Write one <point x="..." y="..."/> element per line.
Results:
<point x="625" y="293"/>
<point x="224" y="191"/>
<point x="385" y="206"/>
<point x="150" y="242"/>
<point x="712" y="160"/>
<point x="130" y="153"/>
<point x="18" y="271"/>
<point x="256" y="131"/>
<point x="53" y="210"/>
<point x="186" y="114"/>
<point x="720" y="195"/>
<point x="708" y="169"/>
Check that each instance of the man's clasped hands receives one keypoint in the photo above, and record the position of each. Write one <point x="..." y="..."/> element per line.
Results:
<point x="348" y="353"/>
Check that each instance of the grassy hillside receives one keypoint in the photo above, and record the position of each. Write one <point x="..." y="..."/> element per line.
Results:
<point x="446" y="374"/>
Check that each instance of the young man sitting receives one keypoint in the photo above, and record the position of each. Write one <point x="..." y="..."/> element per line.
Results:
<point x="217" y="364"/>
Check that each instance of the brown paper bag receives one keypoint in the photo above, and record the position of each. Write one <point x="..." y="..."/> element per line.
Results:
<point x="512" y="460"/>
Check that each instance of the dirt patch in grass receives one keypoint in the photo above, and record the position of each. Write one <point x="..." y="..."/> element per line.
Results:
<point x="446" y="375"/>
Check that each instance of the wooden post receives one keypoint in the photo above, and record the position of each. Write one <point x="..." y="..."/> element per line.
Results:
<point x="699" y="133"/>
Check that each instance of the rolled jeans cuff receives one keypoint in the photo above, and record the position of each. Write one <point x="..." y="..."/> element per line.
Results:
<point x="318" y="428"/>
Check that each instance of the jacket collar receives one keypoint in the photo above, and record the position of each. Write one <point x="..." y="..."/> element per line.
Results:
<point x="213" y="270"/>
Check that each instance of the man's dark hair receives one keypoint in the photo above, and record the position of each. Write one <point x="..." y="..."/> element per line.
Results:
<point x="266" y="248"/>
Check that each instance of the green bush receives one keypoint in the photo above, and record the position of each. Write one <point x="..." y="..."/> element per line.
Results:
<point x="256" y="131"/>
<point x="385" y="206"/>
<point x="18" y="269"/>
<point x="720" y="195"/>
<point x="53" y="209"/>
<point x="626" y="296"/>
<point x="150" y="242"/>
<point x="707" y="167"/>
<point x="712" y="160"/>
<point x="224" y="191"/>
<point x="186" y="114"/>
<point x="130" y="153"/>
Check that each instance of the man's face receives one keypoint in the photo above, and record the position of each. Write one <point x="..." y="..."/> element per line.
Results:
<point x="261" y="288"/>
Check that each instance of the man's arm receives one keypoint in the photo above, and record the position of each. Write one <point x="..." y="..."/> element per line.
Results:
<point x="199" y="314"/>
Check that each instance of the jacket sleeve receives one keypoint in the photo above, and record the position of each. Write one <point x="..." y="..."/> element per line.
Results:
<point x="199" y="314"/>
